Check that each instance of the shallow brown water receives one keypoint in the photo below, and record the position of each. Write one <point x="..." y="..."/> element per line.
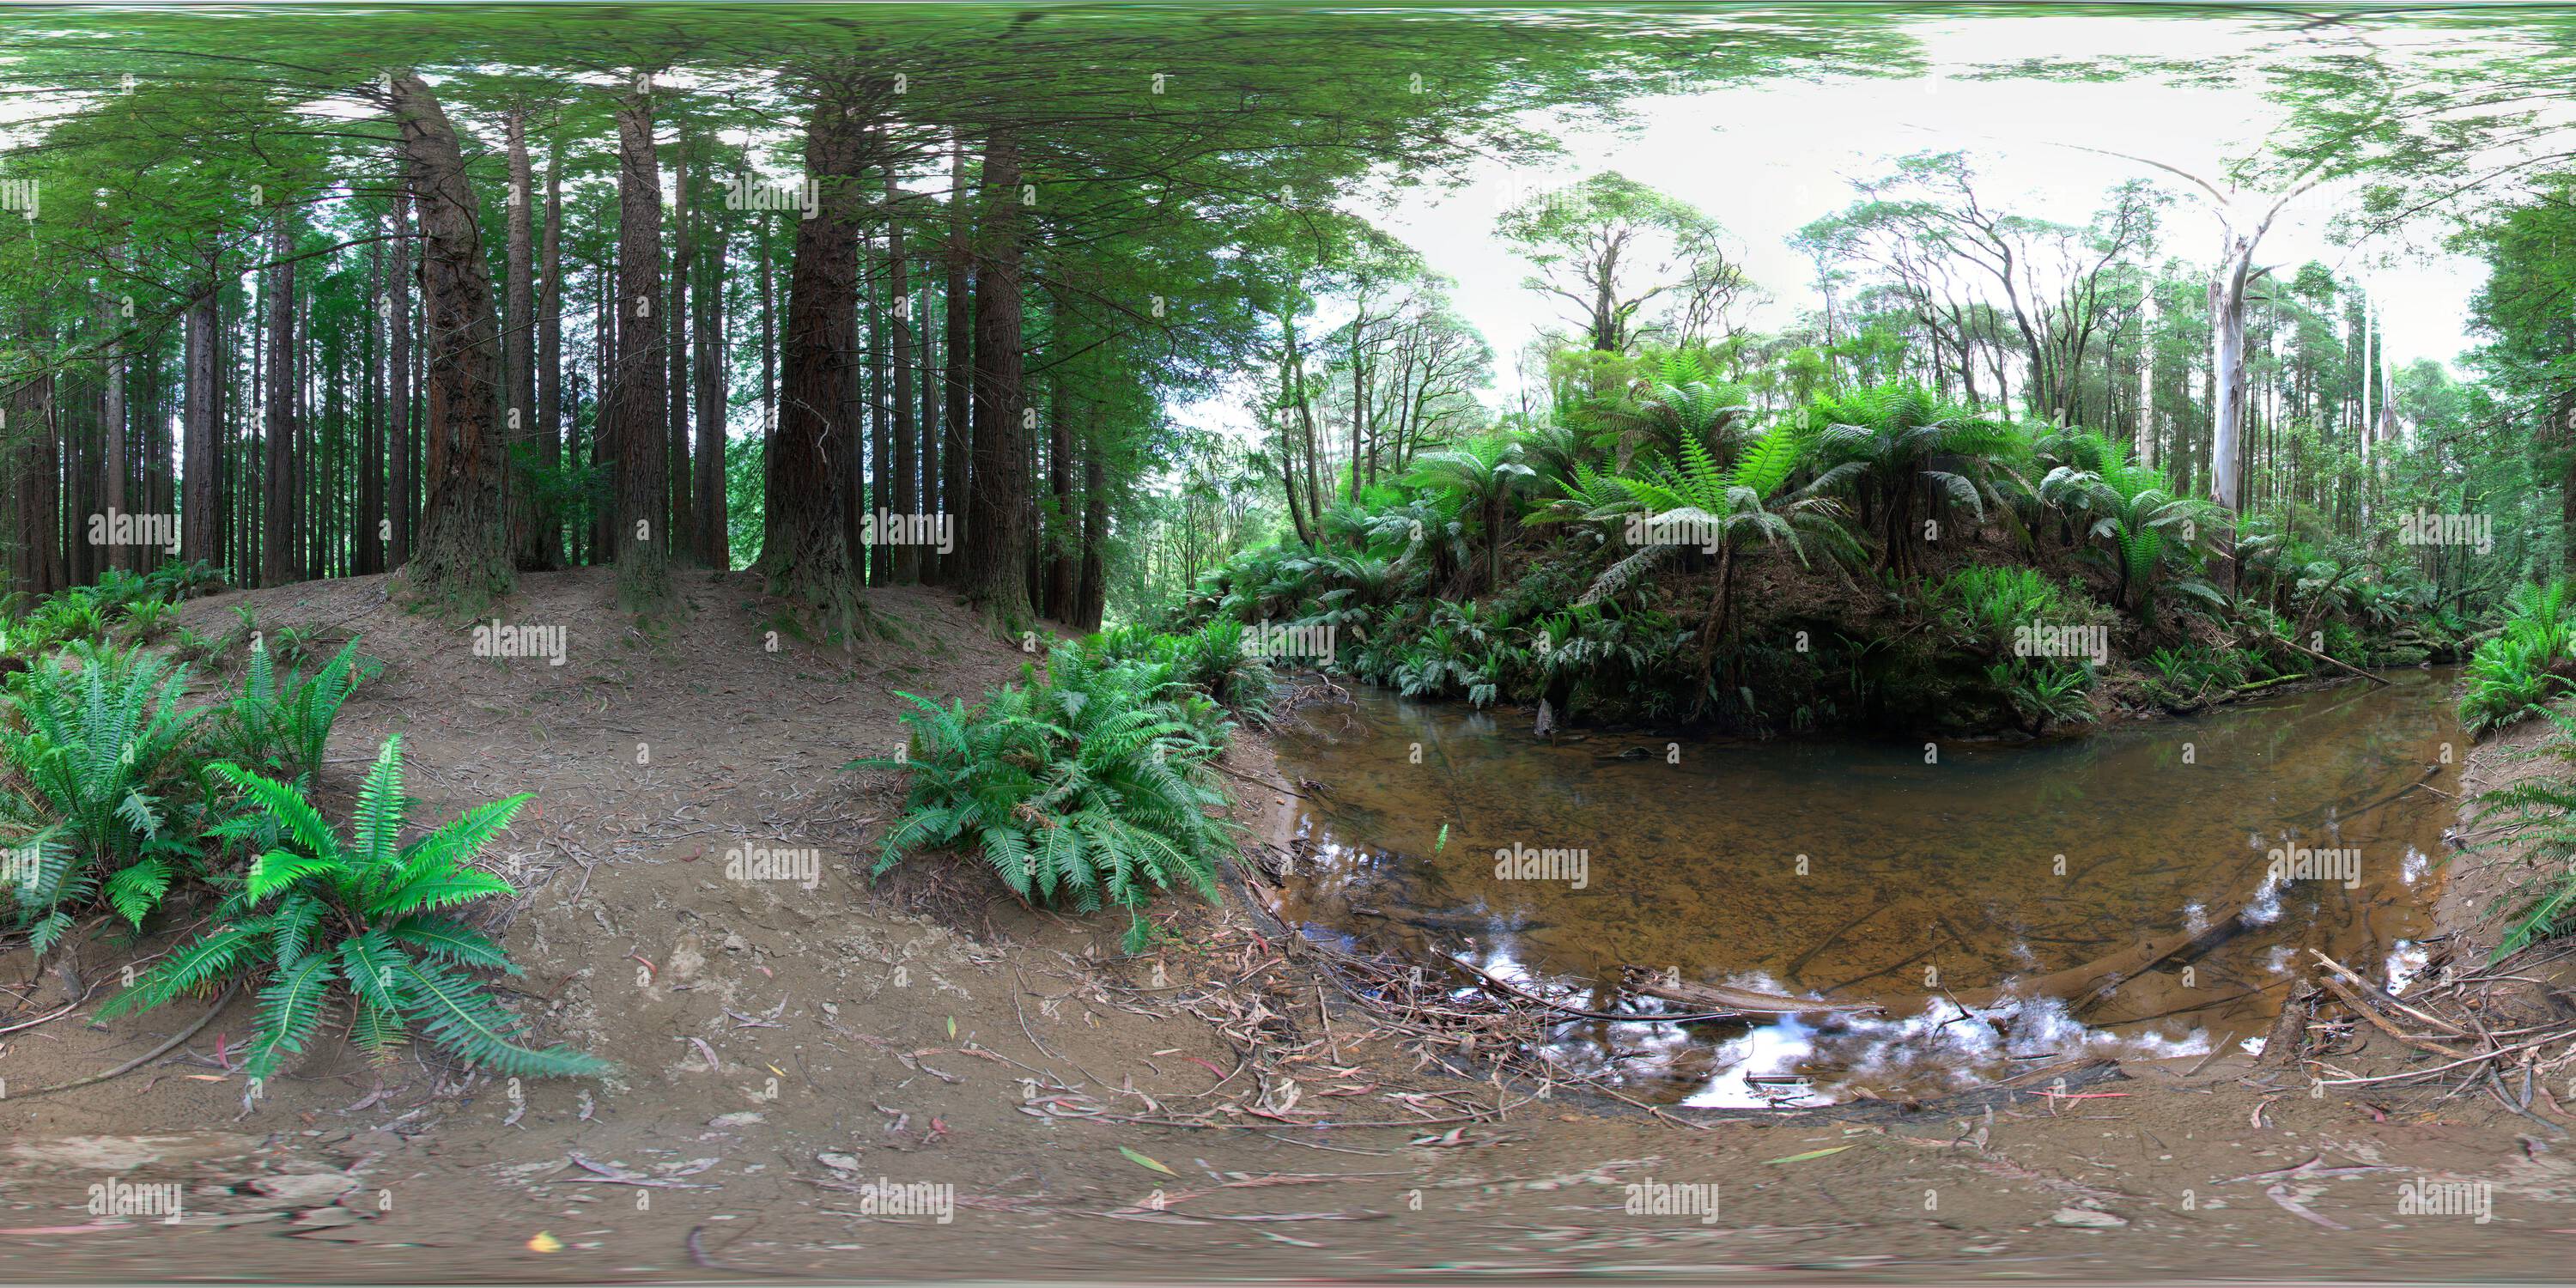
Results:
<point x="1856" y="870"/>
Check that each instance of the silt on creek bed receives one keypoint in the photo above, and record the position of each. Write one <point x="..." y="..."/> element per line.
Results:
<point x="1914" y="878"/>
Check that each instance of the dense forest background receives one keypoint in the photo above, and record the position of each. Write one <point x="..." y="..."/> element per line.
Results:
<point x="468" y="293"/>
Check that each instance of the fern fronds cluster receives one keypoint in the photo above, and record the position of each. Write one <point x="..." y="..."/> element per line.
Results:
<point x="2518" y="670"/>
<point x="281" y="720"/>
<point x="93" y="757"/>
<point x="1086" y="785"/>
<point x="322" y="924"/>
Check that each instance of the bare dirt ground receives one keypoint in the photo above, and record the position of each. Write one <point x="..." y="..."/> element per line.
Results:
<point x="1199" y="1112"/>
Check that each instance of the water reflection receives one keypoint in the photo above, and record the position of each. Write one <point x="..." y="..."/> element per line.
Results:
<point x="1883" y="871"/>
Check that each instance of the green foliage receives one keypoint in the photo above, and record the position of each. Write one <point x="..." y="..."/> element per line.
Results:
<point x="1982" y="605"/>
<point x="1485" y="476"/>
<point x="2188" y="672"/>
<point x="1460" y="653"/>
<point x="1599" y="657"/>
<point x="1891" y="442"/>
<point x="96" y="745"/>
<point x="1086" y="784"/>
<point x="1997" y="614"/>
<point x="321" y="920"/>
<point x="1727" y="508"/>
<point x="1214" y="660"/>
<point x="138" y="604"/>
<point x="2521" y="668"/>
<point x="2044" y="691"/>
<point x="2539" y="822"/>
<point x="281" y="721"/>
<point x="2133" y="512"/>
<point x="1679" y="404"/>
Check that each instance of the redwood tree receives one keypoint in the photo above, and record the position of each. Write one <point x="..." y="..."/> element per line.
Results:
<point x="804" y="555"/>
<point x="996" y="538"/>
<point x="640" y="404"/>
<point x="463" y="555"/>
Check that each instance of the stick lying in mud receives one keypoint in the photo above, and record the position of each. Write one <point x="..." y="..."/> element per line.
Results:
<point x="1506" y="986"/>
<point x="1742" y="1001"/>
<point x="2077" y="985"/>
<point x="143" y="1059"/>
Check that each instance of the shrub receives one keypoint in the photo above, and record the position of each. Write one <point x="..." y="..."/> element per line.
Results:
<point x="1983" y="606"/>
<point x="1210" y="659"/>
<point x="139" y="601"/>
<point x="2539" y="816"/>
<point x="367" y="920"/>
<point x="96" y="744"/>
<point x="2183" y="673"/>
<point x="281" y="721"/>
<point x="1087" y="784"/>
<point x="148" y="620"/>
<point x="2513" y="673"/>
<point x="1989" y="609"/>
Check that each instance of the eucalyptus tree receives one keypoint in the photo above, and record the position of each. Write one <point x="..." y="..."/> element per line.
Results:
<point x="1609" y="246"/>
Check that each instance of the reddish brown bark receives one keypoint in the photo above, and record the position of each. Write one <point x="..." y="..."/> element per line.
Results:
<point x="462" y="556"/>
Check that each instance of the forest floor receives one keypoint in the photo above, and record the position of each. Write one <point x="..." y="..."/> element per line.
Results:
<point x="782" y="1046"/>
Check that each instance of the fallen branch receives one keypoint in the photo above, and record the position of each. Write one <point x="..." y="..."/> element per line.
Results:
<point x="2352" y="998"/>
<point x="143" y="1059"/>
<point x="1561" y="1008"/>
<point x="2331" y="661"/>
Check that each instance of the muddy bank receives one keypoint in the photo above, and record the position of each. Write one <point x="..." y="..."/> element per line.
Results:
<point x="2478" y="903"/>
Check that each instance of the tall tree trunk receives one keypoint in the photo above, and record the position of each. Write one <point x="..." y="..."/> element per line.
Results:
<point x="518" y="349"/>
<point x="1359" y="403"/>
<point x="928" y="500"/>
<point x="463" y="555"/>
<point x="547" y="549"/>
<point x="112" y="430"/>
<point x="805" y="554"/>
<point x="956" y="384"/>
<point x="1092" y="599"/>
<point x="880" y="458"/>
<point x="277" y="478"/>
<point x="369" y="552"/>
<point x="907" y="498"/>
<point x="604" y="454"/>
<point x="641" y="402"/>
<point x="27" y="429"/>
<point x="768" y="368"/>
<point x="2228" y="374"/>
<point x="398" y="410"/>
<point x="2561" y="412"/>
<point x="683" y="509"/>
<point x="850" y="446"/>
<point x="996" y="539"/>
<point x="714" y="541"/>
<point x="1315" y="493"/>
<point x="160" y="484"/>
<point x="201" y="440"/>
<point x="1063" y="539"/>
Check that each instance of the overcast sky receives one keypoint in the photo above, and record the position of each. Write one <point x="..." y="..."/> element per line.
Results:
<point x="1766" y="159"/>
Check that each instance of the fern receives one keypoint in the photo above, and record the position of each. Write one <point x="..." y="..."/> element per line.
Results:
<point x="281" y="721"/>
<point x="2539" y="819"/>
<point x="320" y="919"/>
<point x="1106" y="798"/>
<point x="2516" y="672"/>
<point x="98" y="745"/>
